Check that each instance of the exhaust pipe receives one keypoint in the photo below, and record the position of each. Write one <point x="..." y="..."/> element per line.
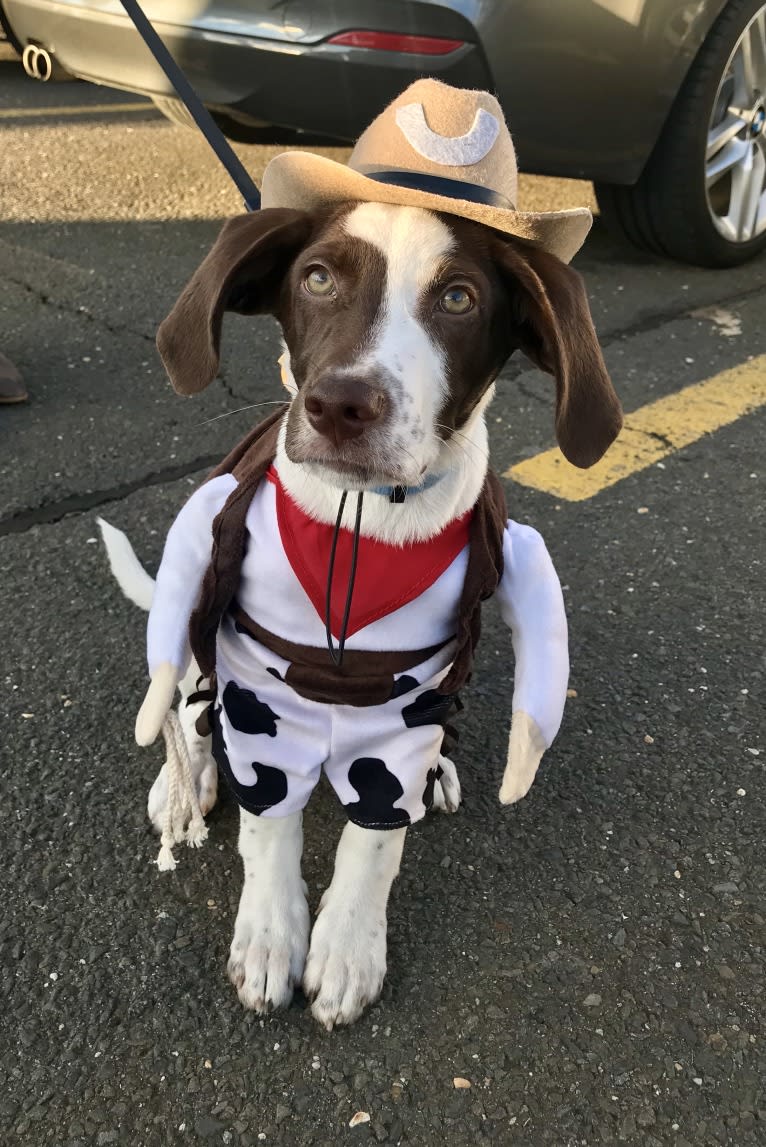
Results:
<point x="41" y="65"/>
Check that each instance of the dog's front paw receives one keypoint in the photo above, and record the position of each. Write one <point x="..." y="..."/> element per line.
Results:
<point x="447" y="792"/>
<point x="525" y="748"/>
<point x="205" y="775"/>
<point x="346" y="964"/>
<point x="269" y="946"/>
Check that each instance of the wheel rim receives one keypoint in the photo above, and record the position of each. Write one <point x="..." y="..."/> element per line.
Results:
<point x="735" y="159"/>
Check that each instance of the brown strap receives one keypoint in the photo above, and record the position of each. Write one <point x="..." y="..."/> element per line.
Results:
<point x="482" y="576"/>
<point x="248" y="462"/>
<point x="356" y="662"/>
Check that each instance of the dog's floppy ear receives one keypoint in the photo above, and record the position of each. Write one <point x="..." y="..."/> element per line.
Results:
<point x="243" y="272"/>
<point x="555" y="330"/>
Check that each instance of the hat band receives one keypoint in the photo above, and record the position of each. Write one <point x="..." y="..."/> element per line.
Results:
<point x="438" y="185"/>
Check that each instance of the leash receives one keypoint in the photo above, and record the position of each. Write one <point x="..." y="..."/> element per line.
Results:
<point x="194" y="105"/>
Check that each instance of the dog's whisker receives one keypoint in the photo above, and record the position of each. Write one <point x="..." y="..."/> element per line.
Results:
<point x="460" y="455"/>
<point x="464" y="438"/>
<point x="253" y="406"/>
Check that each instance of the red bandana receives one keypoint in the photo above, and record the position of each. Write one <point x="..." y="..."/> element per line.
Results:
<point x="387" y="577"/>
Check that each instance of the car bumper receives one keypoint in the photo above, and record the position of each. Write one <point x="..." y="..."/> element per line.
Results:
<point x="316" y="87"/>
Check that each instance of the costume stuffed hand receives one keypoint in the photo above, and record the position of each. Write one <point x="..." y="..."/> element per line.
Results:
<point x="525" y="748"/>
<point x="157" y="702"/>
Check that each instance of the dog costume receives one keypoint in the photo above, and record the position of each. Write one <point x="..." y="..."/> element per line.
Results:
<point x="243" y="581"/>
<point x="242" y="586"/>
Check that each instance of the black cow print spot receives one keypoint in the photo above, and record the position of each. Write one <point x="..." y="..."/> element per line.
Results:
<point x="432" y="777"/>
<point x="217" y="744"/>
<point x="403" y="684"/>
<point x="246" y="713"/>
<point x="378" y="789"/>
<point x="274" y="673"/>
<point x="270" y="785"/>
<point x="430" y="708"/>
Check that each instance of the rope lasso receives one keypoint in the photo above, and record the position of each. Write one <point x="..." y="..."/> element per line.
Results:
<point x="183" y="816"/>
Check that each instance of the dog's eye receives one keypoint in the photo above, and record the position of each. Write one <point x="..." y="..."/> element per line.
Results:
<point x="319" y="282"/>
<point x="456" y="301"/>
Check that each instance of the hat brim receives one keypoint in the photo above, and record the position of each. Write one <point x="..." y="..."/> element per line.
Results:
<point x="304" y="180"/>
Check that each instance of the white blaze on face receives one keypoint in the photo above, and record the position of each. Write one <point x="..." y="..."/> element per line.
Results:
<point x="409" y="362"/>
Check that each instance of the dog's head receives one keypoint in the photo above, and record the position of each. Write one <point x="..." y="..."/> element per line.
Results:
<point x="396" y="322"/>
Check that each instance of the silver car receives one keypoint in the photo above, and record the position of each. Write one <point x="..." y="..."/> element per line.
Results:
<point x="662" y="103"/>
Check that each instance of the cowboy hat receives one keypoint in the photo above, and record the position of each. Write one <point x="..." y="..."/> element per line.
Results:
<point x="437" y="147"/>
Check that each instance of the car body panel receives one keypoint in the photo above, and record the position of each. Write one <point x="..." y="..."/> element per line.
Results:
<point x="586" y="84"/>
<point x="610" y="72"/>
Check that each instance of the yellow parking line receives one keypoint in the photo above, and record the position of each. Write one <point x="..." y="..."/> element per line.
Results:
<point x="84" y="109"/>
<point x="652" y="432"/>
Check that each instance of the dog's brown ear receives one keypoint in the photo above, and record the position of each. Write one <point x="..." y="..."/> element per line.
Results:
<point x="555" y="330"/>
<point x="243" y="272"/>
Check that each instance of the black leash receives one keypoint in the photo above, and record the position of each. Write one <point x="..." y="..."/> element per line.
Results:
<point x="337" y="654"/>
<point x="195" y="107"/>
<point x="252" y="200"/>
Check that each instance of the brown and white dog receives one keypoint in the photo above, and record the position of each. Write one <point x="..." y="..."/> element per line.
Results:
<point x="396" y="321"/>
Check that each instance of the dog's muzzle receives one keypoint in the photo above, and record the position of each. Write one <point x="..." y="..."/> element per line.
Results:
<point x="342" y="409"/>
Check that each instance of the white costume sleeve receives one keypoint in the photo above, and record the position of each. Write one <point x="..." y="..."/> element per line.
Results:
<point x="532" y="605"/>
<point x="184" y="561"/>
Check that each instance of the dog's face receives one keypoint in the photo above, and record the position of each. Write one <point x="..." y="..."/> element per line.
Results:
<point x="392" y="323"/>
<point x="396" y="322"/>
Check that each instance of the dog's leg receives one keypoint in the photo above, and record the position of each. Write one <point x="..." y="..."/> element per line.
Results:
<point x="272" y="928"/>
<point x="204" y="768"/>
<point x="347" y="961"/>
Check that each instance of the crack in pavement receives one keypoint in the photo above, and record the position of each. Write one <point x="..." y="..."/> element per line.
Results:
<point x="532" y="395"/>
<point x="227" y="386"/>
<point x="644" y="325"/>
<point x="668" y="442"/>
<point x="78" y="311"/>
<point x="656" y="319"/>
<point x="51" y="512"/>
<point x="112" y="328"/>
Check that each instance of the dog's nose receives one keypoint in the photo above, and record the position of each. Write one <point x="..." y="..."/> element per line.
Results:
<point x="343" y="408"/>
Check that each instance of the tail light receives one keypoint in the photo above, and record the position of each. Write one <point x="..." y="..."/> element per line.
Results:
<point x="395" y="42"/>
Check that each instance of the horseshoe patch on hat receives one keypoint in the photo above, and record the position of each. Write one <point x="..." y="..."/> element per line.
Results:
<point x="448" y="151"/>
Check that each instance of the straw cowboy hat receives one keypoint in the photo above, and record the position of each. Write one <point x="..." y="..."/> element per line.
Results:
<point x="438" y="147"/>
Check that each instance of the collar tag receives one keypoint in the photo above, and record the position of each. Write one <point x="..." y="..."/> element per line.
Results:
<point x="398" y="494"/>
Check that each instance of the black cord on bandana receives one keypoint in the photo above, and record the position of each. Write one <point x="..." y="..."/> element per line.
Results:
<point x="337" y="654"/>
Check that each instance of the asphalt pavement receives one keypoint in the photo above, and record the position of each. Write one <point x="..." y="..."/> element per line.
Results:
<point x="590" y="960"/>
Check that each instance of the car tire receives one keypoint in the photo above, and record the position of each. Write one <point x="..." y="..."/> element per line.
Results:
<point x="670" y="210"/>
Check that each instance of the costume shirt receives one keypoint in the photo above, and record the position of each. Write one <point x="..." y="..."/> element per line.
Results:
<point x="529" y="596"/>
<point x="270" y="742"/>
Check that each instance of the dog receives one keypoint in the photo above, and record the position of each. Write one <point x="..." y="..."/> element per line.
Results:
<point x="364" y="515"/>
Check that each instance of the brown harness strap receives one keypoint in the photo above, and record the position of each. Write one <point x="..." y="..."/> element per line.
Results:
<point x="364" y="677"/>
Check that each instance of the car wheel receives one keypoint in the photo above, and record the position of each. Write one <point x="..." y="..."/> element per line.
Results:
<point x="702" y="195"/>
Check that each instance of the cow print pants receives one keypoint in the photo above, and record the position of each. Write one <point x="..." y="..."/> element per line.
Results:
<point x="271" y="744"/>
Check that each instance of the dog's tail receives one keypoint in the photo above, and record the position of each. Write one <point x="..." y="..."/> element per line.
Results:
<point x="131" y="576"/>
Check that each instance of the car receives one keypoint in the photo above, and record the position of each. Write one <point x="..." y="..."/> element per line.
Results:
<point x="661" y="103"/>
